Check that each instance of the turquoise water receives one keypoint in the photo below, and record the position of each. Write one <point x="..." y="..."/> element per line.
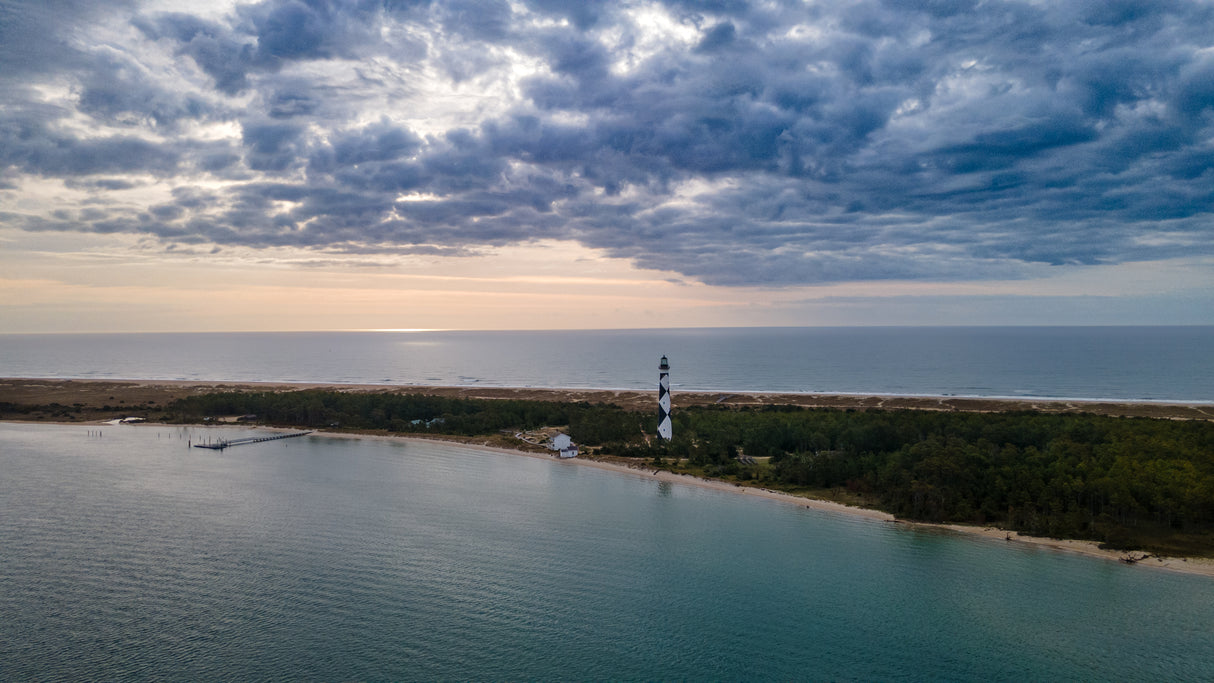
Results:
<point x="131" y="556"/>
<point x="1125" y="363"/>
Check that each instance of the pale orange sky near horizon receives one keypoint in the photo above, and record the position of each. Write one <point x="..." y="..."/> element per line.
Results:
<point x="106" y="285"/>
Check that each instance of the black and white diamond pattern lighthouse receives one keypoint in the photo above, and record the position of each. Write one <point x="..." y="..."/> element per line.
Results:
<point x="664" y="399"/>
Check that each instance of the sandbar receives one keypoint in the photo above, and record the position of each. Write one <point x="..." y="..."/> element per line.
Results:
<point x="95" y="393"/>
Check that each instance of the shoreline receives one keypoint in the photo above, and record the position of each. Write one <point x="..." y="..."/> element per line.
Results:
<point x="303" y="385"/>
<point x="1192" y="565"/>
<point x="134" y="394"/>
<point x="131" y="397"/>
<point x="1199" y="566"/>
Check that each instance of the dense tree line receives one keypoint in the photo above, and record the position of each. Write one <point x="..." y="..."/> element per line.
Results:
<point x="1072" y="475"/>
<point x="1084" y="476"/>
<point x="412" y="413"/>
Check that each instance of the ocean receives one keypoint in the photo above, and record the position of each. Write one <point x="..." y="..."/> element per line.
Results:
<point x="127" y="555"/>
<point x="1101" y="363"/>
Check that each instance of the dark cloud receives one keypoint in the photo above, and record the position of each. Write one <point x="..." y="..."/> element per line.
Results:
<point x="717" y="38"/>
<point x="381" y="142"/>
<point x="101" y="184"/>
<point x="583" y="15"/>
<point x="292" y="30"/>
<point x="264" y="37"/>
<point x="755" y="143"/>
<point x="34" y="35"/>
<point x="272" y="146"/>
<point x="118" y="90"/>
<point x="292" y="99"/>
<point x="30" y="145"/>
<point x="221" y="54"/>
<point x="488" y="20"/>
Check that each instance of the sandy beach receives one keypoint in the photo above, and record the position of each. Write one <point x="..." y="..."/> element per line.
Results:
<point x="93" y="395"/>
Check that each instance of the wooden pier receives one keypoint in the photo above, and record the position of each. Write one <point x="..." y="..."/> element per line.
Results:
<point x="220" y="445"/>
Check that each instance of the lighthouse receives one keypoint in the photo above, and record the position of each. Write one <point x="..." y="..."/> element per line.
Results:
<point x="664" y="399"/>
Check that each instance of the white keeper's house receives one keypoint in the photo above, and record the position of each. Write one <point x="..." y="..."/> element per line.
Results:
<point x="562" y="444"/>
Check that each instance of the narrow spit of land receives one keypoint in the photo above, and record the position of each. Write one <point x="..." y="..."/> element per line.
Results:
<point x="115" y="396"/>
<point x="66" y="401"/>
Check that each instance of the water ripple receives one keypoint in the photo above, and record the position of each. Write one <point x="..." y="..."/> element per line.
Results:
<point x="333" y="559"/>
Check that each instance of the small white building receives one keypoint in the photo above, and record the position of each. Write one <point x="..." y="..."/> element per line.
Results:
<point x="563" y="445"/>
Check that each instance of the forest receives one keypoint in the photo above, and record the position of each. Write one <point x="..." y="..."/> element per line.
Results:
<point x="1126" y="482"/>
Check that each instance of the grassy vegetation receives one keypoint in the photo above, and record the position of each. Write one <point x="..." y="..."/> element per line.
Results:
<point x="78" y="412"/>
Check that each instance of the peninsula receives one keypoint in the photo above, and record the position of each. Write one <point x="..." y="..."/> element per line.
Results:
<point x="1135" y="478"/>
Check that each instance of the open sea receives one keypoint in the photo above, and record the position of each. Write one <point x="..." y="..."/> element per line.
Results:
<point x="130" y="556"/>
<point x="1115" y="363"/>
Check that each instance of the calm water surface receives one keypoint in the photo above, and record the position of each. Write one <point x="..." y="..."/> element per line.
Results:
<point x="1125" y="363"/>
<point x="131" y="556"/>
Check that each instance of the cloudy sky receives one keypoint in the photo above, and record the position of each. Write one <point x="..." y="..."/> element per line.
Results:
<point x="386" y="164"/>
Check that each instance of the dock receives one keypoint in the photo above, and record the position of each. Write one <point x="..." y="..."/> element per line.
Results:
<point x="220" y="445"/>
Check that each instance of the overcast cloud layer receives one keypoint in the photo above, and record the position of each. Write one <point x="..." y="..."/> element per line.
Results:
<point x="737" y="143"/>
